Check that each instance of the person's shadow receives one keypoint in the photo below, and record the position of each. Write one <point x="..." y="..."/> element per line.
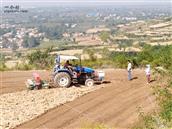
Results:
<point x="152" y="80"/>
<point x="134" y="78"/>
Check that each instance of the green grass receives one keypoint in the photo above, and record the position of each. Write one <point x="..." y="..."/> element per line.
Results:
<point x="54" y="43"/>
<point x="162" y="118"/>
<point x="91" y="125"/>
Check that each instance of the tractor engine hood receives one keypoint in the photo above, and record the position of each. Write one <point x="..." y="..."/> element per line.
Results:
<point x="88" y="70"/>
<point x="84" y="69"/>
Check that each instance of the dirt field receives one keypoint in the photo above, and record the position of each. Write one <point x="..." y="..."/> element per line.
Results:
<point x="116" y="105"/>
<point x="13" y="81"/>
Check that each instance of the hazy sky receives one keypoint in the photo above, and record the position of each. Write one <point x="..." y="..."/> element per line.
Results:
<point x="86" y="1"/>
<point x="80" y="2"/>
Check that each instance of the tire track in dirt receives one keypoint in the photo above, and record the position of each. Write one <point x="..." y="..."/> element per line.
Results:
<point x="90" y="108"/>
<point x="87" y="98"/>
<point x="105" y="105"/>
<point x="103" y="119"/>
<point x="129" y="115"/>
<point x="115" y="105"/>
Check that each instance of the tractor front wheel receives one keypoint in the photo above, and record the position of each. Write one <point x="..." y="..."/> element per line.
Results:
<point x="89" y="82"/>
<point x="62" y="79"/>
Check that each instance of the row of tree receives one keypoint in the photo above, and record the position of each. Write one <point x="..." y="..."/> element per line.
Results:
<point x="30" y="42"/>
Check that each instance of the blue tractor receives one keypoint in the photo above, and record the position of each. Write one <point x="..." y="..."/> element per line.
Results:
<point x="64" y="76"/>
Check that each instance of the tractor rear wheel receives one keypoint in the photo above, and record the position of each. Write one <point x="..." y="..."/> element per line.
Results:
<point x="62" y="79"/>
<point x="89" y="82"/>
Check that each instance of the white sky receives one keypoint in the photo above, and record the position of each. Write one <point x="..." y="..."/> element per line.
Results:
<point x="85" y="2"/>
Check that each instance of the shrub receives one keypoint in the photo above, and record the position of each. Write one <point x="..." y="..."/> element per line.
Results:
<point x="121" y="61"/>
<point x="3" y="66"/>
<point x="91" y="53"/>
<point x="99" y="63"/>
<point x="41" y="59"/>
<point x="2" y="62"/>
<point x="24" y="66"/>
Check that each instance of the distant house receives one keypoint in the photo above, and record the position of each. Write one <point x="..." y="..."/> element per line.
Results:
<point x="7" y="35"/>
<point x="1" y="44"/>
<point x="120" y="26"/>
<point x="160" y="25"/>
<point x="73" y="26"/>
<point x="66" y="35"/>
<point x="96" y="30"/>
<point x="77" y="34"/>
<point x="31" y="34"/>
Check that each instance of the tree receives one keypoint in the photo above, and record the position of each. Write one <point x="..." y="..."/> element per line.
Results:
<point x="91" y="53"/>
<point x="14" y="32"/>
<point x="33" y="42"/>
<point x="124" y="43"/>
<point x="104" y="36"/>
<point x="14" y="46"/>
<point x="52" y="31"/>
<point x="18" y="54"/>
<point x="30" y="42"/>
<point x="25" y="42"/>
<point x="2" y="62"/>
<point x="41" y="59"/>
<point x="105" y="53"/>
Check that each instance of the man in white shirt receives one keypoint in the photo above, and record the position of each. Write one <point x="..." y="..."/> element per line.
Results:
<point x="148" y="72"/>
<point x="129" y="69"/>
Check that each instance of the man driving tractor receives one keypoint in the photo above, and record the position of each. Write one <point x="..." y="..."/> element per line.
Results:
<point x="68" y="66"/>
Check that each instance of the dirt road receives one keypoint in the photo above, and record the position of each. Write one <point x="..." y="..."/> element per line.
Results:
<point x="116" y="105"/>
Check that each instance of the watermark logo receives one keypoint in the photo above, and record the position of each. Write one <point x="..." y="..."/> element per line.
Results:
<point x="14" y="9"/>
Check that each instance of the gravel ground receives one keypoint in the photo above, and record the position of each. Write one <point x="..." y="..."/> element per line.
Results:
<point x="19" y="107"/>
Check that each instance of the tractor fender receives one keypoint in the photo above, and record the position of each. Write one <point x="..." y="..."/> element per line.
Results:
<point x="63" y="70"/>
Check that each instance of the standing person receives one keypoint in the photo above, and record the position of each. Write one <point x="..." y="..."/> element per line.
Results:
<point x="129" y="69"/>
<point x="148" y="72"/>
